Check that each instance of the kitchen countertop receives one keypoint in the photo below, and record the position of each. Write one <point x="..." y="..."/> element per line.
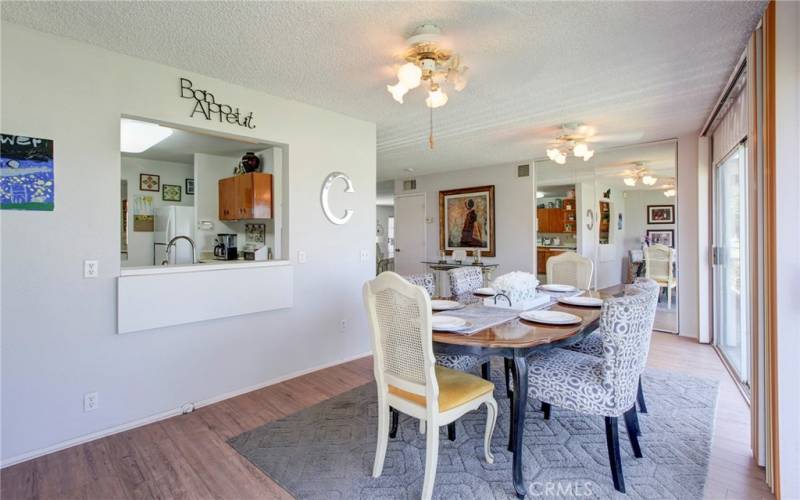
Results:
<point x="203" y="265"/>
<point x="557" y="247"/>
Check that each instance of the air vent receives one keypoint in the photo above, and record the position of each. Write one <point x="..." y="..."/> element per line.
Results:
<point x="410" y="185"/>
<point x="523" y="170"/>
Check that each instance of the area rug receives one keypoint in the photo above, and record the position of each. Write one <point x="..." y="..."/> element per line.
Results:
<point x="326" y="451"/>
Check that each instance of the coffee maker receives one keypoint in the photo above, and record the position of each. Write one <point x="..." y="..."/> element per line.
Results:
<point x="225" y="249"/>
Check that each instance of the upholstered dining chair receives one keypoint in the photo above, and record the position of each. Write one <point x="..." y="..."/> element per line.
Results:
<point x="569" y="268"/>
<point x="659" y="262"/>
<point x="423" y="280"/>
<point x="592" y="344"/>
<point x="603" y="386"/>
<point x="463" y="282"/>
<point x="407" y="377"/>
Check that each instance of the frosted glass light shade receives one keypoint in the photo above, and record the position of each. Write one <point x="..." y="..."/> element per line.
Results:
<point x="588" y="155"/>
<point x="136" y="136"/>
<point x="410" y="75"/>
<point x="436" y="98"/>
<point x="397" y="91"/>
<point x="580" y="149"/>
<point x="649" y="180"/>
<point x="629" y="181"/>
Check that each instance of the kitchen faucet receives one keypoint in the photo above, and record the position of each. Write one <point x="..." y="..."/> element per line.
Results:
<point x="172" y="244"/>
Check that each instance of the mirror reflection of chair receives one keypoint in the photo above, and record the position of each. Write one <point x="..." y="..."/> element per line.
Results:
<point x="407" y="377"/>
<point x="569" y="268"/>
<point x="659" y="261"/>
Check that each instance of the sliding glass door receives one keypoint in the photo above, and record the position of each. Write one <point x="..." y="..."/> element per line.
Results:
<point x="731" y="301"/>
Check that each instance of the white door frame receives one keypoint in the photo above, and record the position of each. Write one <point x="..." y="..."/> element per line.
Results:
<point x="424" y="221"/>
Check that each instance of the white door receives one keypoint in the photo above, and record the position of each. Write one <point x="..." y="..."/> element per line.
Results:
<point x="409" y="230"/>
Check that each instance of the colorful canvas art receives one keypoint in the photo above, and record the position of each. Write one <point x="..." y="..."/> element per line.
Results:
<point x="143" y="215"/>
<point x="466" y="220"/>
<point x="27" y="179"/>
<point x="149" y="182"/>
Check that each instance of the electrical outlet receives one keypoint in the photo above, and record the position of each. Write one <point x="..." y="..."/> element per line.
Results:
<point x="90" y="401"/>
<point x="343" y="326"/>
<point x="301" y="257"/>
<point x="90" y="269"/>
<point x="364" y="255"/>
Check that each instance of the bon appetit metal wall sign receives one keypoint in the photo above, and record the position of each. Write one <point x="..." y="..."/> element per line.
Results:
<point x="207" y="106"/>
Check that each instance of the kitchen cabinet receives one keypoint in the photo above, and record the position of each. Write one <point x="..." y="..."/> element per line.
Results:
<point x="556" y="220"/>
<point x="245" y="197"/>
<point x="543" y="253"/>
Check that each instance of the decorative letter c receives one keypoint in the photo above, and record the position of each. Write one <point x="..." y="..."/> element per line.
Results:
<point x="326" y="187"/>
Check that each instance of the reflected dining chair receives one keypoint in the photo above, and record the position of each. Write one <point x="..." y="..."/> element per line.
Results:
<point x="424" y="280"/>
<point x="603" y="386"/>
<point x="569" y="268"/>
<point x="463" y="283"/>
<point x="659" y="262"/>
<point x="407" y="377"/>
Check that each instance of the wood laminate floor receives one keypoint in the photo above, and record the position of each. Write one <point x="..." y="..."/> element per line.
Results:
<point x="186" y="457"/>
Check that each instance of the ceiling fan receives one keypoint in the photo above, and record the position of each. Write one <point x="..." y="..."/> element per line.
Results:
<point x="575" y="138"/>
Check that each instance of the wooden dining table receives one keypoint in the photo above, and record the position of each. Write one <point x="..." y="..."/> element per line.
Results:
<point x="515" y="340"/>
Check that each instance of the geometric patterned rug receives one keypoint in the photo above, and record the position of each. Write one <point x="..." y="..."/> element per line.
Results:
<point x="326" y="451"/>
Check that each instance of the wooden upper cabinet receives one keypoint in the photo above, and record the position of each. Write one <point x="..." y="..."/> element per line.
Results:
<point x="247" y="196"/>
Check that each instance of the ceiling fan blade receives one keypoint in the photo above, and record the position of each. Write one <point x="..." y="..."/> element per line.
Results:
<point x="625" y="137"/>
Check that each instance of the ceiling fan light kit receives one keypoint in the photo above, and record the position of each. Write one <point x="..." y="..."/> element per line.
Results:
<point x="427" y="62"/>
<point x="572" y="140"/>
<point x="640" y="174"/>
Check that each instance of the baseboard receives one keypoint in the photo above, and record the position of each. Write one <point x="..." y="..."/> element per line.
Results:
<point x="168" y="414"/>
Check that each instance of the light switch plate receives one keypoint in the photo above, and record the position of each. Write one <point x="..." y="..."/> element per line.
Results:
<point x="90" y="269"/>
<point x="364" y="255"/>
<point x="301" y="257"/>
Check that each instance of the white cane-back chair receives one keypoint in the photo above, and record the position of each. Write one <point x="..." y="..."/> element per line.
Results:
<point x="659" y="262"/>
<point x="569" y="268"/>
<point x="406" y="374"/>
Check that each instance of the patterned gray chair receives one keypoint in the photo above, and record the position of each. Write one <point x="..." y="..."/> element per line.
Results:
<point x="423" y="280"/>
<point x="463" y="282"/>
<point x="606" y="385"/>
<point x="592" y="344"/>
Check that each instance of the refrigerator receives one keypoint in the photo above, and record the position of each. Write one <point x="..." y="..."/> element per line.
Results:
<point x="172" y="221"/>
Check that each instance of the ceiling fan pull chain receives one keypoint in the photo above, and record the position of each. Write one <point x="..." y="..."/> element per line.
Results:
<point x="430" y="136"/>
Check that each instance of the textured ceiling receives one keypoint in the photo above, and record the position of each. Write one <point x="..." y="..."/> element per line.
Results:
<point x="654" y="68"/>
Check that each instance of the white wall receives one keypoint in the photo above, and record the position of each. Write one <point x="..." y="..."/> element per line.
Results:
<point x="787" y="107"/>
<point x="514" y="212"/>
<point x="140" y="243"/>
<point x="58" y="339"/>
<point x="686" y="214"/>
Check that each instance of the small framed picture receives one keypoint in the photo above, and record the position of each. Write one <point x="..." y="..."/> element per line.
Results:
<point x="149" y="182"/>
<point x="661" y="237"/>
<point x="661" y="214"/>
<point x="171" y="192"/>
<point x="189" y="187"/>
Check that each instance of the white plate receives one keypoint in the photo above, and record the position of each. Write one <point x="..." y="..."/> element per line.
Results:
<point x="553" y="287"/>
<point x="550" y="317"/>
<point x="489" y="292"/>
<point x="582" y="301"/>
<point x="445" y="305"/>
<point x="444" y="323"/>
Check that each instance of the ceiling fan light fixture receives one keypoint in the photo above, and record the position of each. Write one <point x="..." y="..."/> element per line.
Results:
<point x="409" y="75"/>
<point x="561" y="158"/>
<point x="629" y="181"/>
<point x="397" y="91"/>
<point x="649" y="180"/>
<point x="581" y="149"/>
<point x="669" y="193"/>
<point x="588" y="155"/>
<point x="552" y="153"/>
<point x="436" y="98"/>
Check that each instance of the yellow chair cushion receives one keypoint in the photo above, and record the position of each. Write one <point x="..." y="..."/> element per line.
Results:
<point x="455" y="389"/>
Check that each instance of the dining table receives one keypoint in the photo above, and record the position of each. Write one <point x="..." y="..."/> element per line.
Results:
<point x="514" y="340"/>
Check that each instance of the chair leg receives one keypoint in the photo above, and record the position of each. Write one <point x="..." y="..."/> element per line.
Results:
<point x="383" y="438"/>
<point x="394" y="420"/>
<point x="640" y="397"/>
<point x="614" y="460"/>
<point x="491" y="420"/>
<point x="633" y="432"/>
<point x="546" y="410"/>
<point x="486" y="371"/>
<point x="431" y="459"/>
<point x="451" y="431"/>
<point x="507" y="366"/>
